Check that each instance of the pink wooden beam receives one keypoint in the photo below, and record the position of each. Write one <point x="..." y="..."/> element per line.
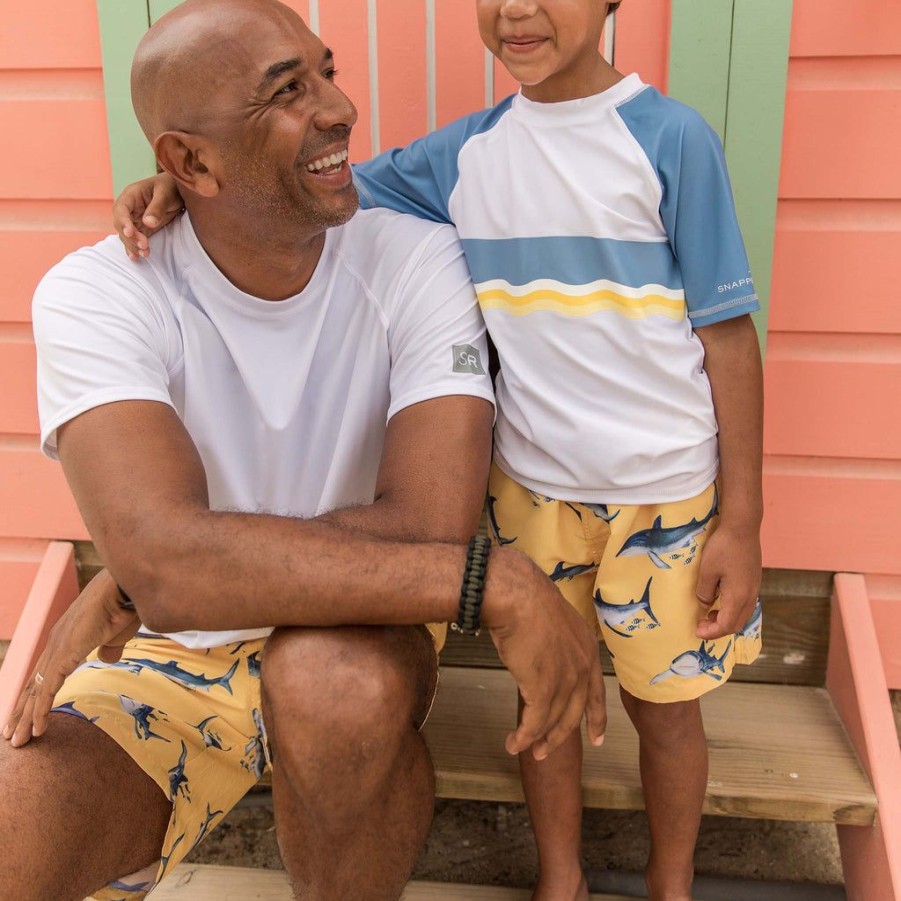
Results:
<point x="55" y="587"/>
<point x="855" y="679"/>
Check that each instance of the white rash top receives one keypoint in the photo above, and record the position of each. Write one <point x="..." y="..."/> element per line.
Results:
<point x="600" y="233"/>
<point x="287" y="401"/>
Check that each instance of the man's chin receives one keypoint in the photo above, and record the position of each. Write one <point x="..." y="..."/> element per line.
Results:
<point x="334" y="214"/>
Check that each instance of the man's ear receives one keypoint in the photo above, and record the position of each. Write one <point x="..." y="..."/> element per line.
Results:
<point x="189" y="160"/>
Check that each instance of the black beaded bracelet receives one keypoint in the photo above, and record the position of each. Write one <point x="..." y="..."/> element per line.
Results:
<point x="472" y="591"/>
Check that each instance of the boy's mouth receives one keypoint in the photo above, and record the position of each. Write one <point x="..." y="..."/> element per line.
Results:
<point x="523" y="44"/>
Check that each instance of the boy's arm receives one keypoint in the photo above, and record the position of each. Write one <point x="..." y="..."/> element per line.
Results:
<point x="416" y="179"/>
<point x="731" y="564"/>
<point x="142" y="209"/>
<point x="698" y="214"/>
<point x="420" y="178"/>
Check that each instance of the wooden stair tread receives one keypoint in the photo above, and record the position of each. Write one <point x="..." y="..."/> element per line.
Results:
<point x="776" y="752"/>
<point x="196" y="882"/>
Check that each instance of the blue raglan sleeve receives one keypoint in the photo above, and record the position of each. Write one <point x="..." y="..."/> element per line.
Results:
<point x="698" y="213"/>
<point x="421" y="177"/>
<point x="696" y="207"/>
<point x="416" y="179"/>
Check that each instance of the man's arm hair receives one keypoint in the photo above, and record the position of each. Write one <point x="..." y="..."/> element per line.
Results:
<point x="433" y="474"/>
<point x="140" y="485"/>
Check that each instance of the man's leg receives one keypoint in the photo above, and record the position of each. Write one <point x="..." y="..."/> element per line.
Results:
<point x="352" y="779"/>
<point x="673" y="762"/>
<point x="76" y="813"/>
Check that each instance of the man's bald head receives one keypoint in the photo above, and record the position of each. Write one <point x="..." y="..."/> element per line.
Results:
<point x="239" y="101"/>
<point x="192" y="51"/>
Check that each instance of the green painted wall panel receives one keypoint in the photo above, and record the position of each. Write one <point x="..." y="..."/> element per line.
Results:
<point x="159" y="8"/>
<point x="700" y="48"/>
<point x="122" y="23"/>
<point x="729" y="60"/>
<point x="757" y="84"/>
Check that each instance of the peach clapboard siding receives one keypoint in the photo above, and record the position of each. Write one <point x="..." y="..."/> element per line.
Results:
<point x="833" y="366"/>
<point x="54" y="197"/>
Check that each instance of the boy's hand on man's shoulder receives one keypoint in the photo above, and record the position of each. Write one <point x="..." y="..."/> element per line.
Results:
<point x="730" y="573"/>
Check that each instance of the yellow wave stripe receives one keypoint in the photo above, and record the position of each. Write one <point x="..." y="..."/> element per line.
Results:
<point x="582" y="304"/>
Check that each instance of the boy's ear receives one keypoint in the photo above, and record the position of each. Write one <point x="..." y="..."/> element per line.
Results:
<point x="189" y="160"/>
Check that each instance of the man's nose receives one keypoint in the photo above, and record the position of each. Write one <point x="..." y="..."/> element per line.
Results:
<point x="335" y="108"/>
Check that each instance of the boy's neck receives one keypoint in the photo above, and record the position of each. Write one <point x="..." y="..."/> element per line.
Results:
<point x="594" y="78"/>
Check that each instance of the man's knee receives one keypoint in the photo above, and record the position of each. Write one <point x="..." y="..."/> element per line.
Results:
<point x="367" y="682"/>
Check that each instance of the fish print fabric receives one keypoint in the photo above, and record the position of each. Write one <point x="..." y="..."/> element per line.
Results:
<point x="191" y="719"/>
<point x="632" y="570"/>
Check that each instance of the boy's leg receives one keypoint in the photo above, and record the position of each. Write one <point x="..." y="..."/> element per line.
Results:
<point x="553" y="790"/>
<point x="649" y="614"/>
<point x="673" y="761"/>
<point x="566" y="541"/>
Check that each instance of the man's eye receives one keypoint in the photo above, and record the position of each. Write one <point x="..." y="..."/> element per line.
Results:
<point x="289" y="88"/>
<point x="330" y="74"/>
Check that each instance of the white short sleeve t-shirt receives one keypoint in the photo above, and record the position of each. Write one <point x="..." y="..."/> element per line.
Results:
<point x="287" y="401"/>
<point x="600" y="234"/>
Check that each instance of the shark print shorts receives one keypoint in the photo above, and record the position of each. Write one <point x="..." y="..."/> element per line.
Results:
<point x="632" y="570"/>
<point x="191" y="720"/>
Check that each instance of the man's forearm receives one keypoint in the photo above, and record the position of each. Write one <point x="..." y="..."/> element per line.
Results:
<point x="188" y="567"/>
<point x="236" y="571"/>
<point x="391" y="522"/>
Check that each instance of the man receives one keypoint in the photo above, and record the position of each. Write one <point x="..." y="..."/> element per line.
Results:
<point x="246" y="371"/>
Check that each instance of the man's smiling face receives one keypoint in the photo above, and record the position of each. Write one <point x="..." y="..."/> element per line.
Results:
<point x="282" y="124"/>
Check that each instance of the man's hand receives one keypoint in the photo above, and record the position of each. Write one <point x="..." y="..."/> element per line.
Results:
<point x="96" y="619"/>
<point x="729" y="570"/>
<point x="143" y="208"/>
<point x="549" y="651"/>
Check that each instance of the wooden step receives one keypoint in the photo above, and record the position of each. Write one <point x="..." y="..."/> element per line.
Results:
<point x="194" y="882"/>
<point x="776" y="752"/>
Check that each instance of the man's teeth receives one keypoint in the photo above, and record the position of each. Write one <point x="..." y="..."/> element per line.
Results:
<point x="327" y="162"/>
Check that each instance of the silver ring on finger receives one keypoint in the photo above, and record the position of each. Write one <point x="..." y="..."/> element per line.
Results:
<point x="38" y="679"/>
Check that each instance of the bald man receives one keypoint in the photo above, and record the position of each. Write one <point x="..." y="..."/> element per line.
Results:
<point x="280" y="421"/>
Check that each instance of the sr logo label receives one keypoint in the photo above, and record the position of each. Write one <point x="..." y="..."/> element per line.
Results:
<point x="467" y="359"/>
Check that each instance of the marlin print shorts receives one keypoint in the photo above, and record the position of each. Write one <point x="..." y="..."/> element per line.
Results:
<point x="632" y="570"/>
<point x="191" y="720"/>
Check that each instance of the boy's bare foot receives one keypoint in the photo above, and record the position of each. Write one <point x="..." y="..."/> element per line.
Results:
<point x="576" y="891"/>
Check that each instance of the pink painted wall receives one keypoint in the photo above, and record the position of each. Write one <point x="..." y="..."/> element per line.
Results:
<point x="833" y="364"/>
<point x="54" y="197"/>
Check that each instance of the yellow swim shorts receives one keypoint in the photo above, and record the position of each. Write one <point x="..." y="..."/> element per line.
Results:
<point x="632" y="570"/>
<point x="191" y="720"/>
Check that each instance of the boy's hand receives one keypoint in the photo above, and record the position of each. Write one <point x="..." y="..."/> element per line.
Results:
<point x="730" y="572"/>
<point x="143" y="208"/>
<point x="549" y="651"/>
<point x="96" y="619"/>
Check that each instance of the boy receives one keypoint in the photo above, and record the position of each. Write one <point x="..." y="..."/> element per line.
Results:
<point x="598" y="225"/>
